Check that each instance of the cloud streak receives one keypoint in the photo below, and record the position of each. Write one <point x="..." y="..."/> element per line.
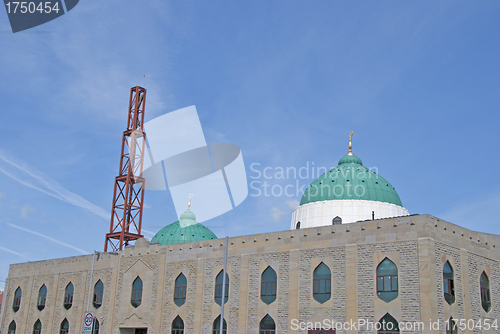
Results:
<point x="11" y="251"/>
<point x="37" y="180"/>
<point x="48" y="238"/>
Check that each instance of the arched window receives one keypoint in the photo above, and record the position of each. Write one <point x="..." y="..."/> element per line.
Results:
<point x="268" y="285"/>
<point x="12" y="328"/>
<point x="136" y="292"/>
<point x="180" y="290"/>
<point x="42" y="297"/>
<point x="98" y="291"/>
<point x="217" y="326"/>
<point x="337" y="221"/>
<point x="387" y="280"/>
<point x="64" y="327"/>
<point x="177" y="326"/>
<point x="17" y="299"/>
<point x="297" y="226"/>
<point x="37" y="327"/>
<point x="218" y="288"/>
<point x="322" y="283"/>
<point x="451" y="326"/>
<point x="96" y="326"/>
<point x="484" y="283"/>
<point x="448" y="283"/>
<point x="68" y="296"/>
<point x="388" y="325"/>
<point x="267" y="325"/>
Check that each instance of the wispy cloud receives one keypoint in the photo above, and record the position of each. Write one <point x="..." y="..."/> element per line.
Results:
<point x="25" y="210"/>
<point x="48" y="238"/>
<point x="11" y="251"/>
<point x="37" y="180"/>
<point x="148" y="232"/>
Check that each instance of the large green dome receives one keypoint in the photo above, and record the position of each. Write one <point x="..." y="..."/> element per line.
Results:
<point x="350" y="180"/>
<point x="186" y="229"/>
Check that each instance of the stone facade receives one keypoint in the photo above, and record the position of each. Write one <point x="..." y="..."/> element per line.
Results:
<point x="418" y="245"/>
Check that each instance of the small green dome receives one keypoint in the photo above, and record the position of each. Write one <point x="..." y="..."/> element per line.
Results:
<point x="350" y="180"/>
<point x="186" y="229"/>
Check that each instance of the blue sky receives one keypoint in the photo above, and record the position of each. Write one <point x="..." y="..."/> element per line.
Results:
<point x="417" y="81"/>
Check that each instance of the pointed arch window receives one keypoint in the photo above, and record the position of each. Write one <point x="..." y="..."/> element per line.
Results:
<point x="387" y="280"/>
<point x="448" y="283"/>
<point x="96" y="326"/>
<point x="267" y="325"/>
<point x="218" y="288"/>
<point x="98" y="292"/>
<point x="216" y="326"/>
<point x="42" y="297"/>
<point x="180" y="290"/>
<point x="268" y="285"/>
<point x="451" y="326"/>
<point x="297" y="226"/>
<point x="388" y="325"/>
<point x="12" y="328"/>
<point x="17" y="299"/>
<point x="484" y="283"/>
<point x="322" y="283"/>
<point x="37" y="327"/>
<point x="337" y="221"/>
<point x="64" y="327"/>
<point x="68" y="296"/>
<point x="178" y="326"/>
<point x="136" y="292"/>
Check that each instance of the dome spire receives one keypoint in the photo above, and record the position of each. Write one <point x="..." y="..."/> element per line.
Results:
<point x="189" y="203"/>
<point x="350" y="143"/>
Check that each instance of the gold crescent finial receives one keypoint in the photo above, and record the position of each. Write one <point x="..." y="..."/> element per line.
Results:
<point x="189" y="203"/>
<point x="350" y="143"/>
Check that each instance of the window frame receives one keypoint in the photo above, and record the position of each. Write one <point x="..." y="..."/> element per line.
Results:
<point x="180" y="291"/>
<point x="63" y="330"/>
<point x="98" y="295"/>
<point x="218" y="288"/>
<point x="42" y="298"/>
<point x="68" y="296"/>
<point x="16" y="305"/>
<point x="136" y="297"/>
<point x="449" y="284"/>
<point x="318" y="282"/>
<point x="485" y="293"/>
<point x="36" y="330"/>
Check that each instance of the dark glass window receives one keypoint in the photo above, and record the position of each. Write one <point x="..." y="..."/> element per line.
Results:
<point x="484" y="283"/>
<point x="96" y="326"/>
<point x="267" y="325"/>
<point x="451" y="327"/>
<point x="64" y="327"/>
<point x="12" y="328"/>
<point x="297" y="226"/>
<point x="98" y="291"/>
<point x="387" y="280"/>
<point x="268" y="286"/>
<point x="218" y="288"/>
<point x="177" y="326"/>
<point x="137" y="292"/>
<point x="68" y="296"/>
<point x="17" y="299"/>
<point x="388" y="325"/>
<point x="322" y="283"/>
<point x="448" y="283"/>
<point x="42" y="297"/>
<point x="180" y="290"/>
<point x="217" y="326"/>
<point x="337" y="221"/>
<point x="37" y="327"/>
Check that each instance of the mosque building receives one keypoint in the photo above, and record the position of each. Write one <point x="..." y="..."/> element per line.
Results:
<point x="354" y="261"/>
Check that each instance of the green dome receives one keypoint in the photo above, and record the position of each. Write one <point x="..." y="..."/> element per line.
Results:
<point x="350" y="180"/>
<point x="186" y="229"/>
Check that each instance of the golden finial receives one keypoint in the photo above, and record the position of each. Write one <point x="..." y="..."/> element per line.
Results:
<point x="189" y="203"/>
<point x="350" y="143"/>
